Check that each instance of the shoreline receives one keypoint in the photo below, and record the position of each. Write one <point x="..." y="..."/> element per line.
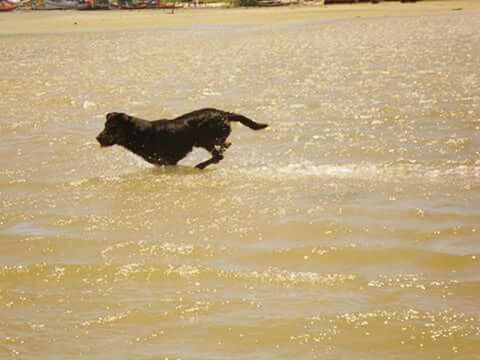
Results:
<point x="60" y="21"/>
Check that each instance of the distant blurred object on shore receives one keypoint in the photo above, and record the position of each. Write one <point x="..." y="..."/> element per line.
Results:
<point x="330" y="2"/>
<point x="93" y="4"/>
<point x="7" y="6"/>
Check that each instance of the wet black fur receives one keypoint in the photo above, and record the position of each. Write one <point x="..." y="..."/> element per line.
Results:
<point x="166" y="142"/>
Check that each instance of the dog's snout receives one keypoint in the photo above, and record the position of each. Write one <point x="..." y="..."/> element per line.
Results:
<point x="103" y="139"/>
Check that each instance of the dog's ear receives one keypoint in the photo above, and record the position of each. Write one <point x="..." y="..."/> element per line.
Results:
<point x="118" y="116"/>
<point x="124" y="116"/>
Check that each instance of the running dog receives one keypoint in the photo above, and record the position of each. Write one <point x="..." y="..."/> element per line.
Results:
<point x="166" y="142"/>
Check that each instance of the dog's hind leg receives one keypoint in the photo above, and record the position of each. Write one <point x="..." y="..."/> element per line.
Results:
<point x="225" y="146"/>
<point x="217" y="155"/>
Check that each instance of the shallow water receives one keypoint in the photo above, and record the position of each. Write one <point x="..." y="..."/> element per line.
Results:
<point x="347" y="229"/>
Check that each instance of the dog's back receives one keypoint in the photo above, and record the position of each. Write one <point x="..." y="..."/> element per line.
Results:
<point x="215" y="116"/>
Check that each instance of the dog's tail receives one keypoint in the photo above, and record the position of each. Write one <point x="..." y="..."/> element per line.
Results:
<point x="246" y="121"/>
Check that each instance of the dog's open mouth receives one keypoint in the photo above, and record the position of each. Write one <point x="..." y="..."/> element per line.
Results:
<point x="102" y="145"/>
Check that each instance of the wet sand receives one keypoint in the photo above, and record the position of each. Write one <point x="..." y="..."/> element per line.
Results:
<point x="78" y="21"/>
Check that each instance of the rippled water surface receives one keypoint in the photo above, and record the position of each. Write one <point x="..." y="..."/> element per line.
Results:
<point x="349" y="229"/>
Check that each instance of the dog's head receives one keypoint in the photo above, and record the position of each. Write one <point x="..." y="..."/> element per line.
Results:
<point x="115" y="131"/>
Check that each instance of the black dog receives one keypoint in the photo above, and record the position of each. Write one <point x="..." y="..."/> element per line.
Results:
<point x="166" y="142"/>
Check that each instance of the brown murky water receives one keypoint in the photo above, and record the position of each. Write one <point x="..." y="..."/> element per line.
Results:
<point x="348" y="229"/>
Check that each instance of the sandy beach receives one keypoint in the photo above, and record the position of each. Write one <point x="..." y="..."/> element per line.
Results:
<point x="20" y="22"/>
